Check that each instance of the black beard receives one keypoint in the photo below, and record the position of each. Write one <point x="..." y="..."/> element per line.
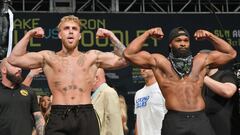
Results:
<point x="14" y="79"/>
<point x="181" y="53"/>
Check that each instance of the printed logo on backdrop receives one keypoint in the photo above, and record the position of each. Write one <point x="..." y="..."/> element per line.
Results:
<point x="88" y="32"/>
<point x="232" y="36"/>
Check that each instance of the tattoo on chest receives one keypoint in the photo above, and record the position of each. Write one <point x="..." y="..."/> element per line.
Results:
<point x="81" y="60"/>
<point x="51" y="56"/>
<point x="72" y="87"/>
<point x="81" y="90"/>
<point x="57" y="83"/>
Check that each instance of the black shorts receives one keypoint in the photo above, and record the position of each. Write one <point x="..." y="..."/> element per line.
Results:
<point x="72" y="120"/>
<point x="186" y="123"/>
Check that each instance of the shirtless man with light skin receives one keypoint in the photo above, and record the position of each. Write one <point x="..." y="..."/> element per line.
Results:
<point x="181" y="90"/>
<point x="70" y="74"/>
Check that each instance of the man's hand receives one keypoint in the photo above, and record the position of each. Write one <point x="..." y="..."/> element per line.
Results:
<point x="202" y="34"/>
<point x="156" y="33"/>
<point x="35" y="72"/>
<point x="103" y="33"/>
<point x="37" y="32"/>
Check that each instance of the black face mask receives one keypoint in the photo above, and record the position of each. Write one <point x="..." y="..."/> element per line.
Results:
<point x="14" y="79"/>
<point x="182" y="65"/>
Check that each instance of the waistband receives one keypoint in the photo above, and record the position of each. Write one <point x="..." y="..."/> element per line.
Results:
<point x="186" y="114"/>
<point x="65" y="109"/>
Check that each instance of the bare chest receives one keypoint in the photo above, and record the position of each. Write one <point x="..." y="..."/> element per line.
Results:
<point x="71" y="65"/>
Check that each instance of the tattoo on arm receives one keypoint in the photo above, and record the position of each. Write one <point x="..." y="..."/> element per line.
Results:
<point x="119" y="48"/>
<point x="39" y="123"/>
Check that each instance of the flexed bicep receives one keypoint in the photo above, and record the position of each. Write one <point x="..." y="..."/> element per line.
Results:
<point x="215" y="59"/>
<point x="142" y="59"/>
<point x="108" y="60"/>
<point x="224" y="51"/>
<point x="28" y="61"/>
<point x="19" y="56"/>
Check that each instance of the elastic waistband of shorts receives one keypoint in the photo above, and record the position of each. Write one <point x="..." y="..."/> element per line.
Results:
<point x="186" y="114"/>
<point x="65" y="110"/>
<point x="65" y="107"/>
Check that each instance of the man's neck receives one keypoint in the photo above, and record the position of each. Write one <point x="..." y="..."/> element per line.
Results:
<point x="8" y="83"/>
<point x="64" y="52"/>
<point x="150" y="81"/>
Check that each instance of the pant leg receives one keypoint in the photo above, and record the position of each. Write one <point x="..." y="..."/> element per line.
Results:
<point x="186" y="123"/>
<point x="201" y="126"/>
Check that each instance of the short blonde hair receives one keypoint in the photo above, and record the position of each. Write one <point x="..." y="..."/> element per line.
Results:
<point x="69" y="18"/>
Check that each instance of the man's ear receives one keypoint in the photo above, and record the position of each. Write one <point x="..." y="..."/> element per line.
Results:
<point x="80" y="36"/>
<point x="4" y="70"/>
<point x="59" y="36"/>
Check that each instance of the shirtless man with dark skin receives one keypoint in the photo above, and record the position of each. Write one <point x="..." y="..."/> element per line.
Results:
<point x="180" y="76"/>
<point x="70" y="74"/>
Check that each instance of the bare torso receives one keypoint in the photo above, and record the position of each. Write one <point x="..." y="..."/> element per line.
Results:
<point x="182" y="94"/>
<point x="70" y="78"/>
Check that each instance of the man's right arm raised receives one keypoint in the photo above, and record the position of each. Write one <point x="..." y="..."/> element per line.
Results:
<point x="19" y="56"/>
<point x="140" y="58"/>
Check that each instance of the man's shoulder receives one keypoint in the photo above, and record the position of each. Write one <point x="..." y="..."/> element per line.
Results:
<point x="159" y="56"/>
<point x="200" y="55"/>
<point x="200" y="59"/>
<point x="91" y="54"/>
<point x="140" y="91"/>
<point x="47" y="53"/>
<point x="93" y="51"/>
<point x="109" y="90"/>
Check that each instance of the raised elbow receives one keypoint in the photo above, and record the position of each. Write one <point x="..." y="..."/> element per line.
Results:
<point x="229" y="90"/>
<point x="12" y="60"/>
<point x="120" y="63"/>
<point x="234" y="54"/>
<point x="126" y="55"/>
<point x="227" y="94"/>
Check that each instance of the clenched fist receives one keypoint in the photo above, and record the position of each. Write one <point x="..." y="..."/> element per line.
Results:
<point x="37" y="32"/>
<point x="156" y="33"/>
<point x="202" y="34"/>
<point x="103" y="33"/>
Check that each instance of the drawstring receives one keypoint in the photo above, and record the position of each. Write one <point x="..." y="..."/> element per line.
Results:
<point x="75" y="109"/>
